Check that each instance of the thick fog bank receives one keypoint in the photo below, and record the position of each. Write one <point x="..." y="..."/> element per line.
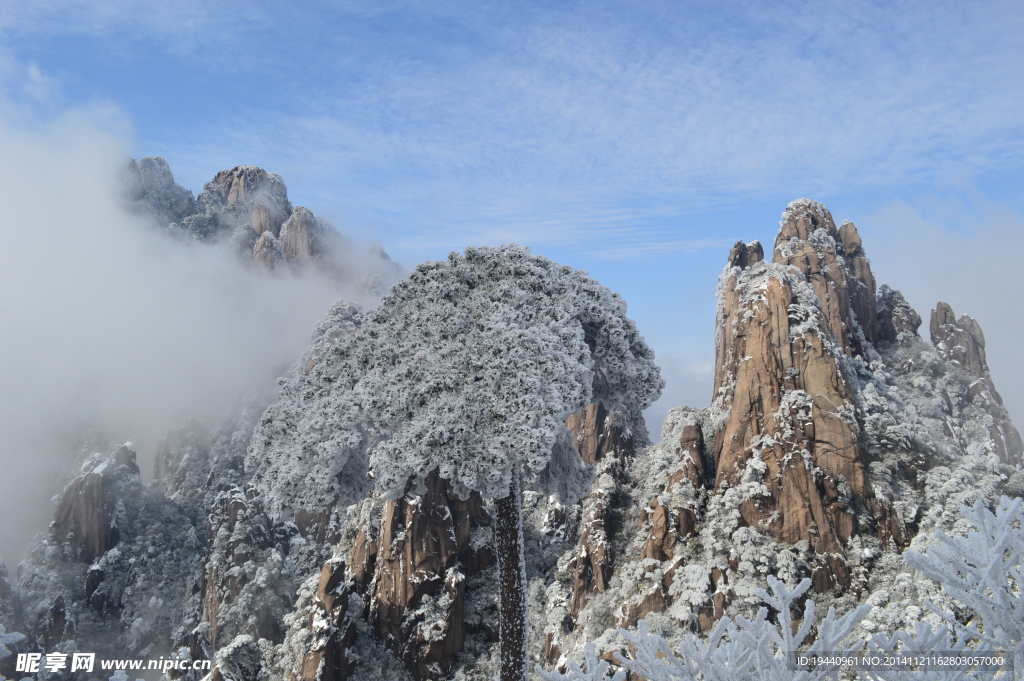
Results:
<point x="106" y="323"/>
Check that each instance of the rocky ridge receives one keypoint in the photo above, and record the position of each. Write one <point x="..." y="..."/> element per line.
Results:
<point x="836" y="438"/>
<point x="248" y="208"/>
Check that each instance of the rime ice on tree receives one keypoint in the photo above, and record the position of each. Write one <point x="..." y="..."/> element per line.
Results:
<point x="470" y="367"/>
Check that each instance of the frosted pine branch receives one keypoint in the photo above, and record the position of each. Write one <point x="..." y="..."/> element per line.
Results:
<point x="595" y="670"/>
<point x="740" y="649"/>
<point x="984" y="571"/>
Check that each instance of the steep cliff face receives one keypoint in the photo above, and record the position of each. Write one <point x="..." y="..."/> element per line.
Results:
<point x="417" y="597"/>
<point x="247" y="195"/>
<point x="836" y="270"/>
<point x="836" y="437"/>
<point x="302" y="236"/>
<point x="117" y="569"/>
<point x="895" y="316"/>
<point x="789" y="436"/>
<point x="151" y="189"/>
<point x="787" y="393"/>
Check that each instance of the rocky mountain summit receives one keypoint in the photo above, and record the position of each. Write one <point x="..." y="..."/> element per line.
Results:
<point x="248" y="208"/>
<point x="836" y="439"/>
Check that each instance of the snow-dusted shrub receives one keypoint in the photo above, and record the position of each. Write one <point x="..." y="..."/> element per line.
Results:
<point x="984" y="571"/>
<point x="595" y="670"/>
<point x="8" y="639"/>
<point x="737" y="650"/>
<point x="471" y="367"/>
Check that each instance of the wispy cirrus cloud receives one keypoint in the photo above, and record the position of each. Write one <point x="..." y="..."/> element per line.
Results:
<point x="446" y="123"/>
<point x="456" y="118"/>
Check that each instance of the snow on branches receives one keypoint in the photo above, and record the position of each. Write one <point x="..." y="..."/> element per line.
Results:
<point x="8" y="639"/>
<point x="471" y="366"/>
<point x="981" y="570"/>
<point x="737" y="650"/>
<point x="984" y="571"/>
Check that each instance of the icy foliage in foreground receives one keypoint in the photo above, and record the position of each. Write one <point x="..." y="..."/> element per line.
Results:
<point x="738" y="650"/>
<point x="982" y="570"/>
<point x="467" y="367"/>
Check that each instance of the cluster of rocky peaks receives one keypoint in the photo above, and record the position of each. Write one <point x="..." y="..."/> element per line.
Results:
<point x="836" y="438"/>
<point x="248" y="207"/>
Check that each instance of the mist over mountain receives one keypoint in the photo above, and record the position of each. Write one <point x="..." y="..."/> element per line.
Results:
<point x="225" y="335"/>
<point x="115" y="329"/>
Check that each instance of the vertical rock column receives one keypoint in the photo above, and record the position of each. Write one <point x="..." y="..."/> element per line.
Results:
<point x="833" y="263"/>
<point x="422" y="558"/>
<point x="599" y="437"/>
<point x="788" y="435"/>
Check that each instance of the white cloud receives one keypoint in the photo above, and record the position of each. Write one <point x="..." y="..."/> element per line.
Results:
<point x="652" y="111"/>
<point x="107" y="322"/>
<point x="459" y="119"/>
<point x="688" y="381"/>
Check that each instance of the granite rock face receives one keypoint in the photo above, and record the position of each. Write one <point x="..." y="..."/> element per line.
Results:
<point x="247" y="195"/>
<point x="117" y="567"/>
<point x="962" y="344"/>
<point x="602" y="440"/>
<point x="151" y="189"/>
<point x="240" y="541"/>
<point x="85" y="512"/>
<point x="248" y="209"/>
<point x="836" y="436"/>
<point x="267" y="251"/>
<point x="959" y="342"/>
<point x="302" y="236"/>
<point x="333" y="627"/>
<point x="836" y="270"/>
<point x="421" y="565"/>
<point x="790" y="435"/>
<point x="895" y="316"/>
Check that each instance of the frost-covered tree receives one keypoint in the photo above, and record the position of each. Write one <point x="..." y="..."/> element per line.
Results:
<point x="740" y="650"/>
<point x="6" y="639"/>
<point x="984" y="571"/>
<point x="981" y="570"/>
<point x="471" y="366"/>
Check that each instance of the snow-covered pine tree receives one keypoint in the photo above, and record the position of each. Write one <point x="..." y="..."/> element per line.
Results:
<point x="984" y="571"/>
<point x="471" y="366"/>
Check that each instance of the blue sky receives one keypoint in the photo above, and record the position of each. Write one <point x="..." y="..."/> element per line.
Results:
<point x="636" y="140"/>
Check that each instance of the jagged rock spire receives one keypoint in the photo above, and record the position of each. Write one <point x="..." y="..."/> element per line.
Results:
<point x="833" y="262"/>
<point x="787" y="430"/>
<point x="895" y="316"/>
<point x="247" y="195"/>
<point x="962" y="343"/>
